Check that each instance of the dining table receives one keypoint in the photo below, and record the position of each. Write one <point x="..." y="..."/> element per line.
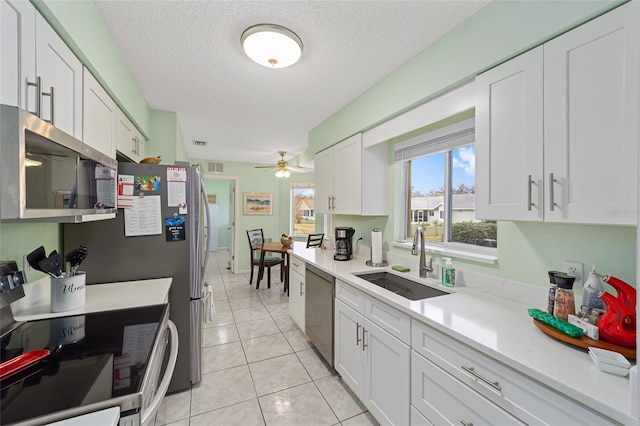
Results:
<point x="275" y="247"/>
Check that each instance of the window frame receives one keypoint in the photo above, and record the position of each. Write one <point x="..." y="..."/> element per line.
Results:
<point x="429" y="144"/>
<point x="293" y="186"/>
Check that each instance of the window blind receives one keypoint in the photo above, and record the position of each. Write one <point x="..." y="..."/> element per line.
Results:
<point x="455" y="135"/>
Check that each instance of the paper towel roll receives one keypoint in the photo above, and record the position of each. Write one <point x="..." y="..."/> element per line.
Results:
<point x="376" y="246"/>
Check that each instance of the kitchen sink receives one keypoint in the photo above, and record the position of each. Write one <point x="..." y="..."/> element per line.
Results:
<point x="401" y="286"/>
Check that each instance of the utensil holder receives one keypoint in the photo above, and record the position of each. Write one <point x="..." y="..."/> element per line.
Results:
<point x="68" y="293"/>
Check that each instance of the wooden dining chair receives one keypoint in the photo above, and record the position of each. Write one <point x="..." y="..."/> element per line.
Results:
<point x="314" y="240"/>
<point x="256" y="239"/>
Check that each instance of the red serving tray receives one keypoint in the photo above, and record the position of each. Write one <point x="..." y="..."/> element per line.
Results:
<point x="21" y="362"/>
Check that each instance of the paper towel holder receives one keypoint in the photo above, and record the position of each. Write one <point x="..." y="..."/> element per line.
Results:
<point x="370" y="261"/>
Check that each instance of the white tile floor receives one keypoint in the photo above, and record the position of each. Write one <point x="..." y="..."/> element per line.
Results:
<point x="258" y="366"/>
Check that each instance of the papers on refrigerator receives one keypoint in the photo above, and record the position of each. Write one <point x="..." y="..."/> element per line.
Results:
<point x="144" y="217"/>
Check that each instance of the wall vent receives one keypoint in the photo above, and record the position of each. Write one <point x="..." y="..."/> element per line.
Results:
<point x="200" y="143"/>
<point x="215" y="167"/>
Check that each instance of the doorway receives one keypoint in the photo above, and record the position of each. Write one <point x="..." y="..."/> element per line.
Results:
<point x="225" y="206"/>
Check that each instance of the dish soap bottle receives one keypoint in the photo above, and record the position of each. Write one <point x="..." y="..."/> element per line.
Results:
<point x="448" y="273"/>
<point x="591" y="291"/>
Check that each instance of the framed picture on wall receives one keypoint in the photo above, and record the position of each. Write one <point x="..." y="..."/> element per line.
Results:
<point x="257" y="203"/>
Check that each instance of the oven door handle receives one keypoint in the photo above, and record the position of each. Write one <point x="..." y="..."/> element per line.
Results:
<point x="164" y="385"/>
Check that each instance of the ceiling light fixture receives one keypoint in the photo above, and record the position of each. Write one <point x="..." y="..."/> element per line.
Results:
<point x="272" y="46"/>
<point x="283" y="173"/>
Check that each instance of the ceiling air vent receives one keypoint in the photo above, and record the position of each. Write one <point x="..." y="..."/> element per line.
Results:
<point x="200" y="143"/>
<point x="214" y="167"/>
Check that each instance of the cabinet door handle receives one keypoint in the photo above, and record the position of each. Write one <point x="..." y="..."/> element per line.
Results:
<point x="552" y="202"/>
<point x="329" y="202"/>
<point x="463" y="423"/>
<point x="51" y="105"/>
<point x="358" y="339"/>
<point x="473" y="372"/>
<point x="529" y="184"/>
<point x="301" y="286"/>
<point x="364" y="345"/>
<point x="38" y="110"/>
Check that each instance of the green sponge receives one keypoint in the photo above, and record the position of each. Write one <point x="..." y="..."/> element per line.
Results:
<point x="400" y="268"/>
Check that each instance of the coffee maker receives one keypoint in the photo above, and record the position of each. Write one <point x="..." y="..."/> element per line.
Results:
<point x="344" y="243"/>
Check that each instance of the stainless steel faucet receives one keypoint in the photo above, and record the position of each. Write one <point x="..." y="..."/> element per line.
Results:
<point x="424" y="268"/>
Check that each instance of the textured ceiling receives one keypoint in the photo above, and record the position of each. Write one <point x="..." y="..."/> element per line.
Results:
<point x="186" y="57"/>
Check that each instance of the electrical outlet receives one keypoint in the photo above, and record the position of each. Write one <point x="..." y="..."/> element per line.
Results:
<point x="575" y="269"/>
<point x="26" y="267"/>
<point x="361" y="236"/>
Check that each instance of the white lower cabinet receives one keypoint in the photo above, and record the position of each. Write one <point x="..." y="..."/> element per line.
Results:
<point x="442" y="399"/>
<point x="451" y="379"/>
<point x="373" y="363"/>
<point x="297" y="292"/>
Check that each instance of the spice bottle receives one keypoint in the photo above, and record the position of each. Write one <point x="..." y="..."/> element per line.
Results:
<point x="552" y="291"/>
<point x="565" y="304"/>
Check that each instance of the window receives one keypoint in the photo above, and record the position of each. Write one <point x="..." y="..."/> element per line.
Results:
<point x="439" y="179"/>
<point x="303" y="214"/>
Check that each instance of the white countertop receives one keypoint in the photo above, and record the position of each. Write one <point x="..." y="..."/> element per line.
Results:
<point x="497" y="327"/>
<point x="99" y="297"/>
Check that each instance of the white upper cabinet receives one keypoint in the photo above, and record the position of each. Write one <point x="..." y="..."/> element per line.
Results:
<point x="60" y="75"/>
<point x="509" y="140"/>
<point x="338" y="177"/>
<point x="99" y="117"/>
<point x="591" y="120"/>
<point x="352" y="180"/>
<point x="18" y="55"/>
<point x="129" y="140"/>
<point x="557" y="128"/>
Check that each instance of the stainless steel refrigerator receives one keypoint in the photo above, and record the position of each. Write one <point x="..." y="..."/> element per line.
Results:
<point x="114" y="257"/>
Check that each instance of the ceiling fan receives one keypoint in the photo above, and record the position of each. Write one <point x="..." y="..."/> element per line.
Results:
<point x="282" y="168"/>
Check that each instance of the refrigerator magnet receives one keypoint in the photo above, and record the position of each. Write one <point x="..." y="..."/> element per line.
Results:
<point x="174" y="228"/>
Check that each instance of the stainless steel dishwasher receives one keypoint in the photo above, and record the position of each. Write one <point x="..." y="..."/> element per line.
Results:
<point x="319" y="311"/>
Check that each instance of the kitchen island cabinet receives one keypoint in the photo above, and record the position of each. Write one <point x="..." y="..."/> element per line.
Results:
<point x="557" y="127"/>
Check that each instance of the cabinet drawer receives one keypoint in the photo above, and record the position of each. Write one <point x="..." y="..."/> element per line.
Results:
<point x="509" y="389"/>
<point x="297" y="265"/>
<point x="443" y="399"/>
<point x="396" y="323"/>
<point x="417" y="419"/>
<point x="351" y="297"/>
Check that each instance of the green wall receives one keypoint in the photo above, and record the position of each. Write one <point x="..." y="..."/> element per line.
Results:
<point x="259" y="180"/>
<point x="20" y="239"/>
<point x="499" y="31"/>
<point x="495" y="34"/>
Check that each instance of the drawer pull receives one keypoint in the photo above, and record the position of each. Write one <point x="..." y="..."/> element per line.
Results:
<point x="466" y="423"/>
<point x="471" y="371"/>
<point x="358" y="339"/>
<point x="295" y="264"/>
<point x="364" y="345"/>
<point x="529" y="202"/>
